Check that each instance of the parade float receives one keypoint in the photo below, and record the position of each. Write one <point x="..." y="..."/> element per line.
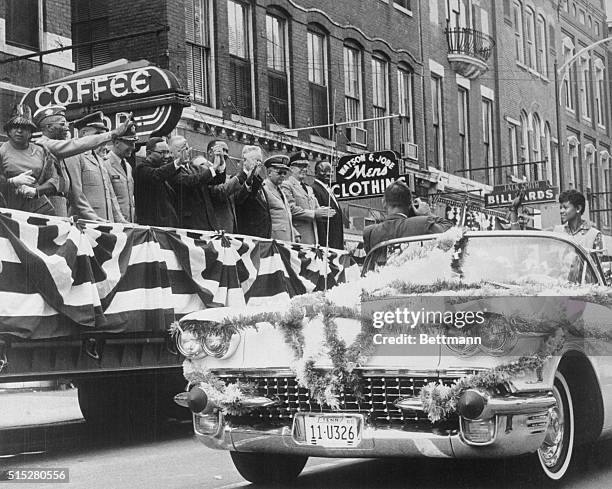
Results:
<point x="462" y="345"/>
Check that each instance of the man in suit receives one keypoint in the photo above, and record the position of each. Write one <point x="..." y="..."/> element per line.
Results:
<point x="92" y="173"/>
<point x="305" y="209"/>
<point x="252" y="210"/>
<point x="191" y="183"/>
<point x="325" y="197"/>
<point x="223" y="194"/>
<point x="54" y="127"/>
<point x="279" y="208"/>
<point x="120" y="172"/>
<point x="155" y="198"/>
<point x="403" y="219"/>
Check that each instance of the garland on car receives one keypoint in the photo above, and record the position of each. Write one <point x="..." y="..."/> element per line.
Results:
<point x="439" y="401"/>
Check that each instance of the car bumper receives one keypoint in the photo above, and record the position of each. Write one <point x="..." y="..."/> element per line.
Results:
<point x="519" y="428"/>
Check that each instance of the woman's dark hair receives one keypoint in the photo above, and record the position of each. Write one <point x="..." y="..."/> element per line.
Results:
<point x="573" y="197"/>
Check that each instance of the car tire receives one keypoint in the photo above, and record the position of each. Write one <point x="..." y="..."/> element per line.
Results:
<point x="555" y="454"/>
<point x="266" y="468"/>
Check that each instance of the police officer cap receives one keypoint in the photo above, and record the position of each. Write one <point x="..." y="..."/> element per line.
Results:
<point x="94" y="120"/>
<point x="129" y="137"/>
<point x="44" y="112"/>
<point x="299" y="159"/>
<point x="277" y="161"/>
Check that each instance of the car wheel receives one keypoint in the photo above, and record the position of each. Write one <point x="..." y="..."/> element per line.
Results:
<point x="555" y="454"/>
<point x="262" y="468"/>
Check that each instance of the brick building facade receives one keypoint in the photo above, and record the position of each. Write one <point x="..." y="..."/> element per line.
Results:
<point x="28" y="26"/>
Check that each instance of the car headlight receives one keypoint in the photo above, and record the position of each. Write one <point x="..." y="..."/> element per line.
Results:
<point x="496" y="337"/>
<point x="220" y="344"/>
<point x="190" y="345"/>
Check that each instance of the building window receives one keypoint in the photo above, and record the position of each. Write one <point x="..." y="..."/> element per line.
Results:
<point x="352" y="84"/>
<point x="239" y="33"/>
<point x="89" y="23"/>
<point x="581" y="17"/>
<point x="404" y="90"/>
<point x="568" y="79"/>
<point x="22" y="24"/>
<point x="575" y="173"/>
<point x="518" y="31"/>
<point x="464" y="127"/>
<point x="403" y="4"/>
<point x="542" y="61"/>
<point x="438" y="121"/>
<point x="605" y="163"/>
<point x="380" y="103"/>
<point x="198" y="49"/>
<point x="597" y="29"/>
<point x="548" y="172"/>
<point x="278" y="84"/>
<point x="585" y="93"/>
<point x="317" y="81"/>
<point x="487" y="138"/>
<point x="530" y="38"/>
<point x="513" y="135"/>
<point x="599" y="93"/>
<point x="535" y="170"/>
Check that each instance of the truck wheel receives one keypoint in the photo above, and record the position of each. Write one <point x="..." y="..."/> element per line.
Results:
<point x="261" y="468"/>
<point x="555" y="454"/>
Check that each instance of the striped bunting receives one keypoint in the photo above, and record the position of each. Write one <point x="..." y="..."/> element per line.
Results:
<point x="59" y="278"/>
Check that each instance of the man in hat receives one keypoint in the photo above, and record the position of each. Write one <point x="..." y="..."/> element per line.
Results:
<point x="155" y="198"/>
<point x="279" y="207"/>
<point x="193" y="200"/>
<point x="54" y="127"/>
<point x="305" y="209"/>
<point x="27" y="170"/>
<point x="330" y="232"/>
<point x="252" y="209"/>
<point x="93" y="173"/>
<point x="120" y="171"/>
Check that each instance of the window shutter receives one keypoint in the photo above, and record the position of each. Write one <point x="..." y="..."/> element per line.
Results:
<point x="189" y="20"/>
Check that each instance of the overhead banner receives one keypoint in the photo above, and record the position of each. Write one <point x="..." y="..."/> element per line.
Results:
<point x="152" y="94"/>
<point x="535" y="193"/>
<point x="366" y="175"/>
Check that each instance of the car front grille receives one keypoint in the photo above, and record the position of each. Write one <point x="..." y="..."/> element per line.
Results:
<point x="377" y="401"/>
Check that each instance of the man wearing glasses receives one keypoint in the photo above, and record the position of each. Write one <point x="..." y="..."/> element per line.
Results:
<point x="191" y="183"/>
<point x="152" y="191"/>
<point x="279" y="208"/>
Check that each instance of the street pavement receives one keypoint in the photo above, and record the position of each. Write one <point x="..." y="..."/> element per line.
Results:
<point x="174" y="460"/>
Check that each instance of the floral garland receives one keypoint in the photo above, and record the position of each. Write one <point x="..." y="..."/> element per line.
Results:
<point x="439" y="401"/>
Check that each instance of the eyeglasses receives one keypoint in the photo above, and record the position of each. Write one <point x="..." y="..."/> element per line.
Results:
<point x="280" y="172"/>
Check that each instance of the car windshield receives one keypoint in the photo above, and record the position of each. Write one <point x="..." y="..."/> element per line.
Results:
<point x="510" y="259"/>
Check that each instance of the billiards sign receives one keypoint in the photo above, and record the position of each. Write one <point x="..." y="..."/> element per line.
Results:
<point x="365" y="175"/>
<point x="152" y="94"/>
<point x="535" y="193"/>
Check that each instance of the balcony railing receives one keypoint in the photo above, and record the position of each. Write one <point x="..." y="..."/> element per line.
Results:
<point x="469" y="47"/>
<point x="470" y="42"/>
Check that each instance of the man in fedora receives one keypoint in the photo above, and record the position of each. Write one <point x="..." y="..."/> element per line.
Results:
<point x="54" y="127"/>
<point x="278" y="205"/>
<point x="305" y="209"/>
<point x="93" y="173"/>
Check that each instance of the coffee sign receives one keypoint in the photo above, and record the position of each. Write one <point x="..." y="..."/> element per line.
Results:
<point x="153" y="95"/>
<point x="365" y="175"/>
<point x="535" y="192"/>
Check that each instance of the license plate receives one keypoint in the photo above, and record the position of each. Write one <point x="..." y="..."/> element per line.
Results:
<point x="333" y="431"/>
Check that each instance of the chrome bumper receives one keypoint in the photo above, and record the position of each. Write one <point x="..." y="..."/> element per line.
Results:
<point x="520" y="428"/>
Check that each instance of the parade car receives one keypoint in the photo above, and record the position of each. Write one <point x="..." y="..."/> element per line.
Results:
<point x="537" y="382"/>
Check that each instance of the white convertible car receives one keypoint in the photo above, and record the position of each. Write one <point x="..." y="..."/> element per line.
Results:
<point x="535" y="378"/>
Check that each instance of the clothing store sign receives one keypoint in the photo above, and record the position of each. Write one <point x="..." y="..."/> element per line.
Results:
<point x="535" y="193"/>
<point x="365" y="175"/>
<point x="153" y="95"/>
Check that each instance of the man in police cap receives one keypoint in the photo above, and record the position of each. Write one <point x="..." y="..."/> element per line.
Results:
<point x="93" y="172"/>
<point x="305" y="209"/>
<point x="120" y="170"/>
<point x="278" y="205"/>
<point x="54" y="127"/>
